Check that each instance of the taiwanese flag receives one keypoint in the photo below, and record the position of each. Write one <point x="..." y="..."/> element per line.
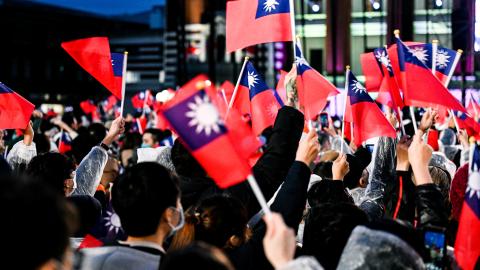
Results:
<point x="444" y="63"/>
<point x="199" y="125"/>
<point x="281" y="91"/>
<point x="64" y="143"/>
<point x="93" y="55"/>
<point x="251" y="22"/>
<point x="313" y="88"/>
<point x="372" y="70"/>
<point x="142" y="99"/>
<point x="141" y="123"/>
<point x="467" y="244"/>
<point x="393" y="54"/>
<point x="88" y="107"/>
<point x="368" y="120"/>
<point x="109" y="103"/>
<point x="422" y="88"/>
<point x="473" y="107"/>
<point x="264" y="102"/>
<point x="15" y="111"/>
<point x="118" y="65"/>
<point x="227" y="88"/>
<point x="389" y="93"/>
<point x="466" y="122"/>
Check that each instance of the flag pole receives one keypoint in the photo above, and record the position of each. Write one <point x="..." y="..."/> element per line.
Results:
<point x="434" y="55"/>
<point x="224" y="96"/>
<point x="450" y="75"/>
<point x="396" y="32"/>
<point x="292" y="26"/>
<point x="258" y="193"/>
<point x="235" y="90"/>
<point x="344" y="108"/>
<point x="124" y="81"/>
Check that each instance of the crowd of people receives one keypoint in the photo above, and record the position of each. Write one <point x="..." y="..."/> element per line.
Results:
<point x="118" y="199"/>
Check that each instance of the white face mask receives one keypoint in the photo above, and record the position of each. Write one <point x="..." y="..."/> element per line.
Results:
<point x="180" y="224"/>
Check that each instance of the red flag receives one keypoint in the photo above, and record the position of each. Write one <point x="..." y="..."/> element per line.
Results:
<point x="109" y="103"/>
<point x="372" y="70"/>
<point x="251" y="22"/>
<point x="90" y="242"/>
<point x="473" y="107"/>
<point x="432" y="139"/>
<point x="281" y="91"/>
<point x="313" y="88"/>
<point x="93" y="55"/>
<point x="88" y="107"/>
<point x="65" y="143"/>
<point x="368" y="120"/>
<point x="198" y="123"/>
<point x="389" y="92"/>
<point x="393" y="55"/>
<point x="422" y="88"/>
<point x="15" y="111"/>
<point x="142" y="99"/>
<point x="467" y="244"/>
<point x="466" y="122"/>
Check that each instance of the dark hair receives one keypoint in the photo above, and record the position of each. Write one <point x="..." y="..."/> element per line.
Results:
<point x="323" y="169"/>
<point x="52" y="169"/>
<point x="157" y="134"/>
<point x="131" y="140"/>
<point x="68" y="118"/>
<point x="141" y="195"/>
<point x="185" y="164"/>
<point x="357" y="163"/>
<point x="442" y="180"/>
<point x="97" y="132"/>
<point x="42" y="143"/>
<point x="89" y="212"/>
<point x="215" y="220"/>
<point x="327" y="229"/>
<point x="196" y="256"/>
<point x="327" y="191"/>
<point x="81" y="145"/>
<point x="35" y="223"/>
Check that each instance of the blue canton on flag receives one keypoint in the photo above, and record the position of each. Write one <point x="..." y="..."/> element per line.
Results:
<point x="423" y="52"/>
<point x="4" y="89"/>
<point x="269" y="7"/>
<point x="444" y="60"/>
<point x="253" y="81"/>
<point x="356" y="91"/>
<point x="302" y="64"/>
<point x="117" y="64"/>
<point x="197" y="120"/>
<point x="472" y="194"/>
<point x="381" y="54"/>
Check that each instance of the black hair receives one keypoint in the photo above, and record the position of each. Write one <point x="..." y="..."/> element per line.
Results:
<point x="52" y="169"/>
<point x="196" y="256"/>
<point x="141" y="195"/>
<point x="81" y="146"/>
<point x="42" y="143"/>
<point x="97" y="132"/>
<point x="89" y="212"/>
<point x="185" y="164"/>
<point x="327" y="191"/>
<point x="157" y="134"/>
<point x="327" y="229"/>
<point x="323" y="169"/>
<point x="31" y="210"/>
<point x="131" y="140"/>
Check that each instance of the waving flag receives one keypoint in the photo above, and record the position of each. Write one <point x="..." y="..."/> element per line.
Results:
<point x="251" y="22"/>
<point x="93" y="55"/>
<point x="15" y="111"/>
<point x="389" y="93"/>
<point x="368" y="120"/>
<point x="264" y="103"/>
<point x="466" y="122"/>
<point x="467" y="244"/>
<point x="444" y="63"/>
<point x="142" y="99"/>
<point x="372" y="70"/>
<point x="199" y="125"/>
<point x="281" y="91"/>
<point x="313" y="88"/>
<point x="88" y="107"/>
<point x="422" y="88"/>
<point x="64" y="143"/>
<point x="109" y="103"/>
<point x="473" y="107"/>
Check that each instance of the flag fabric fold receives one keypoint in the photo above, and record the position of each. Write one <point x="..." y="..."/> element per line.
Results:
<point x="367" y="118"/>
<point x="15" y="111"/>
<point x="389" y="92"/>
<point x="372" y="70"/>
<point x="251" y="22"/>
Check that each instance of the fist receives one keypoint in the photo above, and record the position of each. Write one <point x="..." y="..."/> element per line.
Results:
<point x="340" y="167"/>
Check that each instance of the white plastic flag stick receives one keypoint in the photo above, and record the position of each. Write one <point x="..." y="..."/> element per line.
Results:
<point x="454" y="120"/>
<point x="5" y="153"/>
<point x="124" y="81"/>
<point x="344" y="108"/>
<point x="235" y="90"/>
<point x="434" y="55"/>
<point x="292" y="26"/>
<point x="401" y="121"/>
<point x="258" y="193"/>
<point x="224" y="96"/>
<point x="450" y="74"/>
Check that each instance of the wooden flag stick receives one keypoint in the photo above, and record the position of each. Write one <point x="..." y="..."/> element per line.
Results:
<point x="235" y="90"/>
<point x="258" y="193"/>
<point x="124" y="81"/>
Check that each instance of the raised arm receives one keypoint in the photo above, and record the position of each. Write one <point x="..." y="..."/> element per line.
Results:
<point x="23" y="151"/>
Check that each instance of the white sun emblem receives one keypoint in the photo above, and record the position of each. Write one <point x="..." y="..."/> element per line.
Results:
<point x="358" y="87"/>
<point x="272" y="110"/>
<point x="473" y="188"/>
<point x="204" y="116"/>
<point x="300" y="61"/>
<point x="420" y="53"/>
<point x="383" y="58"/>
<point x="442" y="59"/>
<point x="252" y="79"/>
<point x="270" y="5"/>
<point x="113" y="222"/>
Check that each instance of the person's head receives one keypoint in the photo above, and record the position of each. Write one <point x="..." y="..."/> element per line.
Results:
<point x="36" y="224"/>
<point x="131" y="140"/>
<point x="324" y="141"/>
<point x="442" y="180"/>
<point x="151" y="137"/>
<point x="70" y="119"/>
<point x="89" y="212"/>
<point x="197" y="256"/>
<point x="147" y="199"/>
<point x="218" y="220"/>
<point x="327" y="191"/>
<point x="357" y="163"/>
<point x="81" y="145"/>
<point x="42" y="143"/>
<point x="97" y="132"/>
<point x="110" y="172"/>
<point x="185" y="164"/>
<point x="55" y="170"/>
<point x="323" y="169"/>
<point x="327" y="229"/>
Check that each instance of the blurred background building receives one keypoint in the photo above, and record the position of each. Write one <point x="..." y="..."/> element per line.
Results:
<point x="170" y="41"/>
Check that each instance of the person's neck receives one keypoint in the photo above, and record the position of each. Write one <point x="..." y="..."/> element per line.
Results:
<point x="156" y="238"/>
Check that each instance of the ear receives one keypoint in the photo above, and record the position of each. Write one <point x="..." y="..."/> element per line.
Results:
<point x="234" y="241"/>
<point x="363" y="182"/>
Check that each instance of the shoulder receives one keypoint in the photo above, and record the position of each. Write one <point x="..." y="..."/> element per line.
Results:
<point x="117" y="257"/>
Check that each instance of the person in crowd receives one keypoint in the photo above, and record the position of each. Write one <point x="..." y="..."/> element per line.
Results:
<point x="147" y="200"/>
<point x="151" y="138"/>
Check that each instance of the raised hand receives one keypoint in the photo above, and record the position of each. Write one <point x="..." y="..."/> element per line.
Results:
<point x="419" y="154"/>
<point x="279" y="241"/>
<point x="340" y="167"/>
<point x="117" y="128"/>
<point x="308" y="148"/>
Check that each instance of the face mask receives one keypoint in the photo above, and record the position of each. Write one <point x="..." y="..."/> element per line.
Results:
<point x="145" y="145"/>
<point x="181" y="222"/>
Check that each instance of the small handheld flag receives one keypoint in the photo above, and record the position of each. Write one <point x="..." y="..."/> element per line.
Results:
<point x="15" y="111"/>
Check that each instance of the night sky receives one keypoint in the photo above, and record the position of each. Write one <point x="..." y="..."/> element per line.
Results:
<point x="106" y="7"/>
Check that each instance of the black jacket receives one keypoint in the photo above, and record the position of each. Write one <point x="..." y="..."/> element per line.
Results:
<point x="270" y="170"/>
